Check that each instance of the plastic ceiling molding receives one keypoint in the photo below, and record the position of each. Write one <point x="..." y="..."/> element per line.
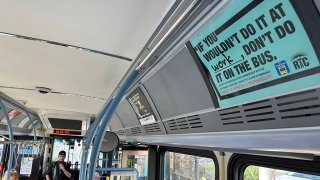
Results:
<point x="64" y="45"/>
<point x="118" y="27"/>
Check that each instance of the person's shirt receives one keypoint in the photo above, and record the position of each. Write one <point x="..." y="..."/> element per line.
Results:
<point x="57" y="174"/>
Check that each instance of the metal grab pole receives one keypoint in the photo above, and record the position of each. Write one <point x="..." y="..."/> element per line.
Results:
<point x="43" y="137"/>
<point x="33" y="128"/>
<point x="34" y="133"/>
<point x="91" y="133"/>
<point x="11" y="138"/>
<point x="43" y="134"/>
<point x="42" y="124"/>
<point x="94" y="124"/>
<point x="106" y="117"/>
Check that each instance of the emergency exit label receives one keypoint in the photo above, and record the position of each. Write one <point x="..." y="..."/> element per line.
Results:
<point x="262" y="46"/>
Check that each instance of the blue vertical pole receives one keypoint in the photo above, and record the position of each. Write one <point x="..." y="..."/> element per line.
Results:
<point x="105" y="119"/>
<point x="43" y="134"/>
<point x="43" y="137"/>
<point x="33" y="128"/>
<point x="90" y="135"/>
<point x="11" y="139"/>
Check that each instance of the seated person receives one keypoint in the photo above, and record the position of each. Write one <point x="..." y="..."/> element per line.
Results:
<point x="13" y="175"/>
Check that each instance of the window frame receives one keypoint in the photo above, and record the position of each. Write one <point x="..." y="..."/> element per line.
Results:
<point x="193" y="152"/>
<point x="239" y="162"/>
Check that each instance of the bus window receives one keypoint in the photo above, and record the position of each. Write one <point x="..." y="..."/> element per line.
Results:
<point x="262" y="173"/>
<point x="188" y="167"/>
<point x="72" y="146"/>
<point x="1" y="156"/>
<point x="136" y="159"/>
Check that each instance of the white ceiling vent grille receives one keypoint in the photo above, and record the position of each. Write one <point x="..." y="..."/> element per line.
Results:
<point x="189" y="122"/>
<point x="136" y="131"/>
<point x="231" y="116"/>
<point x="259" y="111"/>
<point x="299" y="105"/>
<point x="153" y="128"/>
<point x="120" y="132"/>
<point x="289" y="111"/>
<point x="303" y="105"/>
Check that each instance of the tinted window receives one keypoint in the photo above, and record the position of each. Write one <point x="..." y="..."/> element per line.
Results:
<point x="188" y="167"/>
<point x="257" y="173"/>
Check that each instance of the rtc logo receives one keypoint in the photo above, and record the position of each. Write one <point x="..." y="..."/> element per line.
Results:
<point x="300" y="62"/>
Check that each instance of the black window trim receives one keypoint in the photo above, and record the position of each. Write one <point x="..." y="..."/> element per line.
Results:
<point x="195" y="152"/>
<point x="239" y="162"/>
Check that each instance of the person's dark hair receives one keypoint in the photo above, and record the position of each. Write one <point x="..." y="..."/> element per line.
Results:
<point x="62" y="153"/>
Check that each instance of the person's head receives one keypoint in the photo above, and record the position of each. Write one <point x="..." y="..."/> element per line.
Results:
<point x="13" y="175"/>
<point x="62" y="155"/>
<point x="96" y="176"/>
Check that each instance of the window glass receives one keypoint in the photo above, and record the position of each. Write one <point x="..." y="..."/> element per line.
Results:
<point x="17" y="118"/>
<point x="263" y="173"/>
<point x="73" y="148"/>
<point x="1" y="155"/>
<point x="101" y="160"/>
<point x="11" y="114"/>
<point x="137" y="159"/>
<point x="1" y="148"/>
<point x="188" y="167"/>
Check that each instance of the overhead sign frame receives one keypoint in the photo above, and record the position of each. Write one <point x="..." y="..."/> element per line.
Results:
<point x="250" y="51"/>
<point x="141" y="107"/>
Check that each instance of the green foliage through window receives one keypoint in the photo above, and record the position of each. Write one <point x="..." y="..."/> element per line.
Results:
<point x="251" y="173"/>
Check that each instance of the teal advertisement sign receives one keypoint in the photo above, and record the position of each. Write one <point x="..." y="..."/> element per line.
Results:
<point x="254" y="49"/>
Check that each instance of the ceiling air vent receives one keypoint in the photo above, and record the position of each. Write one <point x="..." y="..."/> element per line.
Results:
<point x="189" y="122"/>
<point x="153" y="128"/>
<point x="259" y="111"/>
<point x="299" y="105"/>
<point x="231" y="116"/>
<point x="136" y="131"/>
<point x="120" y="132"/>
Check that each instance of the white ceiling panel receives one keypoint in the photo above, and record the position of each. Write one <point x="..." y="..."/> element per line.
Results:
<point x="27" y="64"/>
<point x="49" y="101"/>
<point x="119" y="27"/>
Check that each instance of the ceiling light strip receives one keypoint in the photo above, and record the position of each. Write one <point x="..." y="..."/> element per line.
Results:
<point x="64" y="45"/>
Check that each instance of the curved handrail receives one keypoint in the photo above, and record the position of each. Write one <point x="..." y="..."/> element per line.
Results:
<point x="105" y="119"/>
<point x="10" y="137"/>
<point x="91" y="134"/>
<point x="33" y="128"/>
